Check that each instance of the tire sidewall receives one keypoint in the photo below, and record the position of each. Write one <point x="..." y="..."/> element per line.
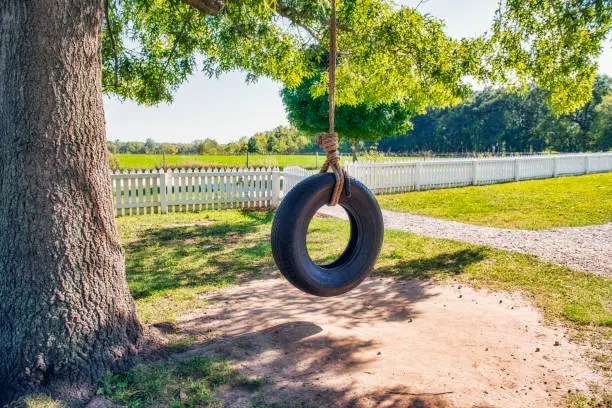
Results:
<point x="290" y="229"/>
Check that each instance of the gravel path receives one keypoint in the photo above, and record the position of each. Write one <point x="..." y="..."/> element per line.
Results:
<point x="584" y="248"/>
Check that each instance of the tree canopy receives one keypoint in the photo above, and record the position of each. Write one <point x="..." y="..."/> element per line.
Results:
<point x="356" y="122"/>
<point x="387" y="54"/>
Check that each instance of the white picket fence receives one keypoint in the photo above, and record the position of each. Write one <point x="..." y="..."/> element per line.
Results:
<point x="159" y="191"/>
<point x="293" y="175"/>
<point x="400" y="176"/>
<point x="145" y="192"/>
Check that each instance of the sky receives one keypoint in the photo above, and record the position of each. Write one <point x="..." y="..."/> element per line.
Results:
<point x="226" y="109"/>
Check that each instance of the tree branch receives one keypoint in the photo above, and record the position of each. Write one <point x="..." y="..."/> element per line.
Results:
<point x="419" y="5"/>
<point x="173" y="50"/>
<point x="284" y="11"/>
<point x="306" y="28"/>
<point x="213" y="7"/>
<point x="207" y="7"/>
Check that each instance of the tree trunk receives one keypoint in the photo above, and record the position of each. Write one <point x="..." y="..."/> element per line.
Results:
<point x="354" y="143"/>
<point x="66" y="315"/>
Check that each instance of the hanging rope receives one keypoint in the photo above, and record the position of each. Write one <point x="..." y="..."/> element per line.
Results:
<point x="329" y="141"/>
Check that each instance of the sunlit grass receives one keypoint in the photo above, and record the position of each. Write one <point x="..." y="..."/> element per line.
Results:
<point x="187" y="383"/>
<point x="325" y="246"/>
<point x="535" y="204"/>
<point x="40" y="401"/>
<point x="601" y="399"/>
<point x="151" y="161"/>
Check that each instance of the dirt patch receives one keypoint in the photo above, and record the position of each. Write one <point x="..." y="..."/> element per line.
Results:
<point x="391" y="343"/>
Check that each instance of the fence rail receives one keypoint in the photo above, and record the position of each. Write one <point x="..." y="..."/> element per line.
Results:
<point x="145" y="192"/>
<point x="401" y="176"/>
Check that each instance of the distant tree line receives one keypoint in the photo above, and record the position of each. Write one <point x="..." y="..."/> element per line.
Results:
<point x="280" y="140"/>
<point x="492" y="120"/>
<point x="495" y="121"/>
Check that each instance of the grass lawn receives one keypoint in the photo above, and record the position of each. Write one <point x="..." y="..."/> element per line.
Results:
<point x="151" y="161"/>
<point x="535" y="204"/>
<point x="172" y="258"/>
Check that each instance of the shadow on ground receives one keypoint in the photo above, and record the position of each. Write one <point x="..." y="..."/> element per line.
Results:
<point x="280" y="337"/>
<point x="273" y="331"/>
<point x="220" y="254"/>
<point x="197" y="255"/>
<point x="449" y="264"/>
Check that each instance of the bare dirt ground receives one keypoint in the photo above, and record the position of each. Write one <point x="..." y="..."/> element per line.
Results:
<point x="584" y="248"/>
<point x="390" y="343"/>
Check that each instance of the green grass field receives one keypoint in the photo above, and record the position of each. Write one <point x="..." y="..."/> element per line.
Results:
<point x="308" y="161"/>
<point x="151" y="161"/>
<point x="535" y="204"/>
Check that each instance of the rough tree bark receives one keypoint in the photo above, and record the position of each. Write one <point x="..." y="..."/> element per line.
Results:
<point x="66" y="315"/>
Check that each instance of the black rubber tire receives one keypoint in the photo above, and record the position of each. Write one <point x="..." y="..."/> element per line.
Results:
<point x="291" y="225"/>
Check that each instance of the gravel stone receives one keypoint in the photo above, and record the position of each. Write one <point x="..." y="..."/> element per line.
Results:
<point x="583" y="248"/>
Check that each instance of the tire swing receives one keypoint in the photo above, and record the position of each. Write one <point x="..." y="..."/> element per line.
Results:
<point x="299" y="206"/>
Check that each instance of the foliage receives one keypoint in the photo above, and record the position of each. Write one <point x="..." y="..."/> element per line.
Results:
<point x="166" y="148"/>
<point x="281" y="140"/>
<point x="552" y="43"/>
<point x="601" y="400"/>
<point x="149" y="146"/>
<point x="492" y="120"/>
<point x="399" y="55"/>
<point x="497" y="120"/>
<point x="387" y="54"/>
<point x="601" y="131"/>
<point x="113" y="161"/>
<point x="151" y="47"/>
<point x="187" y="383"/>
<point x="534" y="204"/>
<point x="39" y="401"/>
<point x="356" y="122"/>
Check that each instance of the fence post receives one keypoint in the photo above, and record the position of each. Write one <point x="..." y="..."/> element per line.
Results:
<point x="555" y="166"/>
<point x="163" y="200"/>
<point x="417" y="175"/>
<point x="586" y="164"/>
<point x="475" y="172"/>
<point x="516" y="169"/>
<point x="276" y="184"/>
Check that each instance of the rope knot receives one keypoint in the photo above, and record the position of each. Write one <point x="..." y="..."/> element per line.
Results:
<point x="328" y="141"/>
